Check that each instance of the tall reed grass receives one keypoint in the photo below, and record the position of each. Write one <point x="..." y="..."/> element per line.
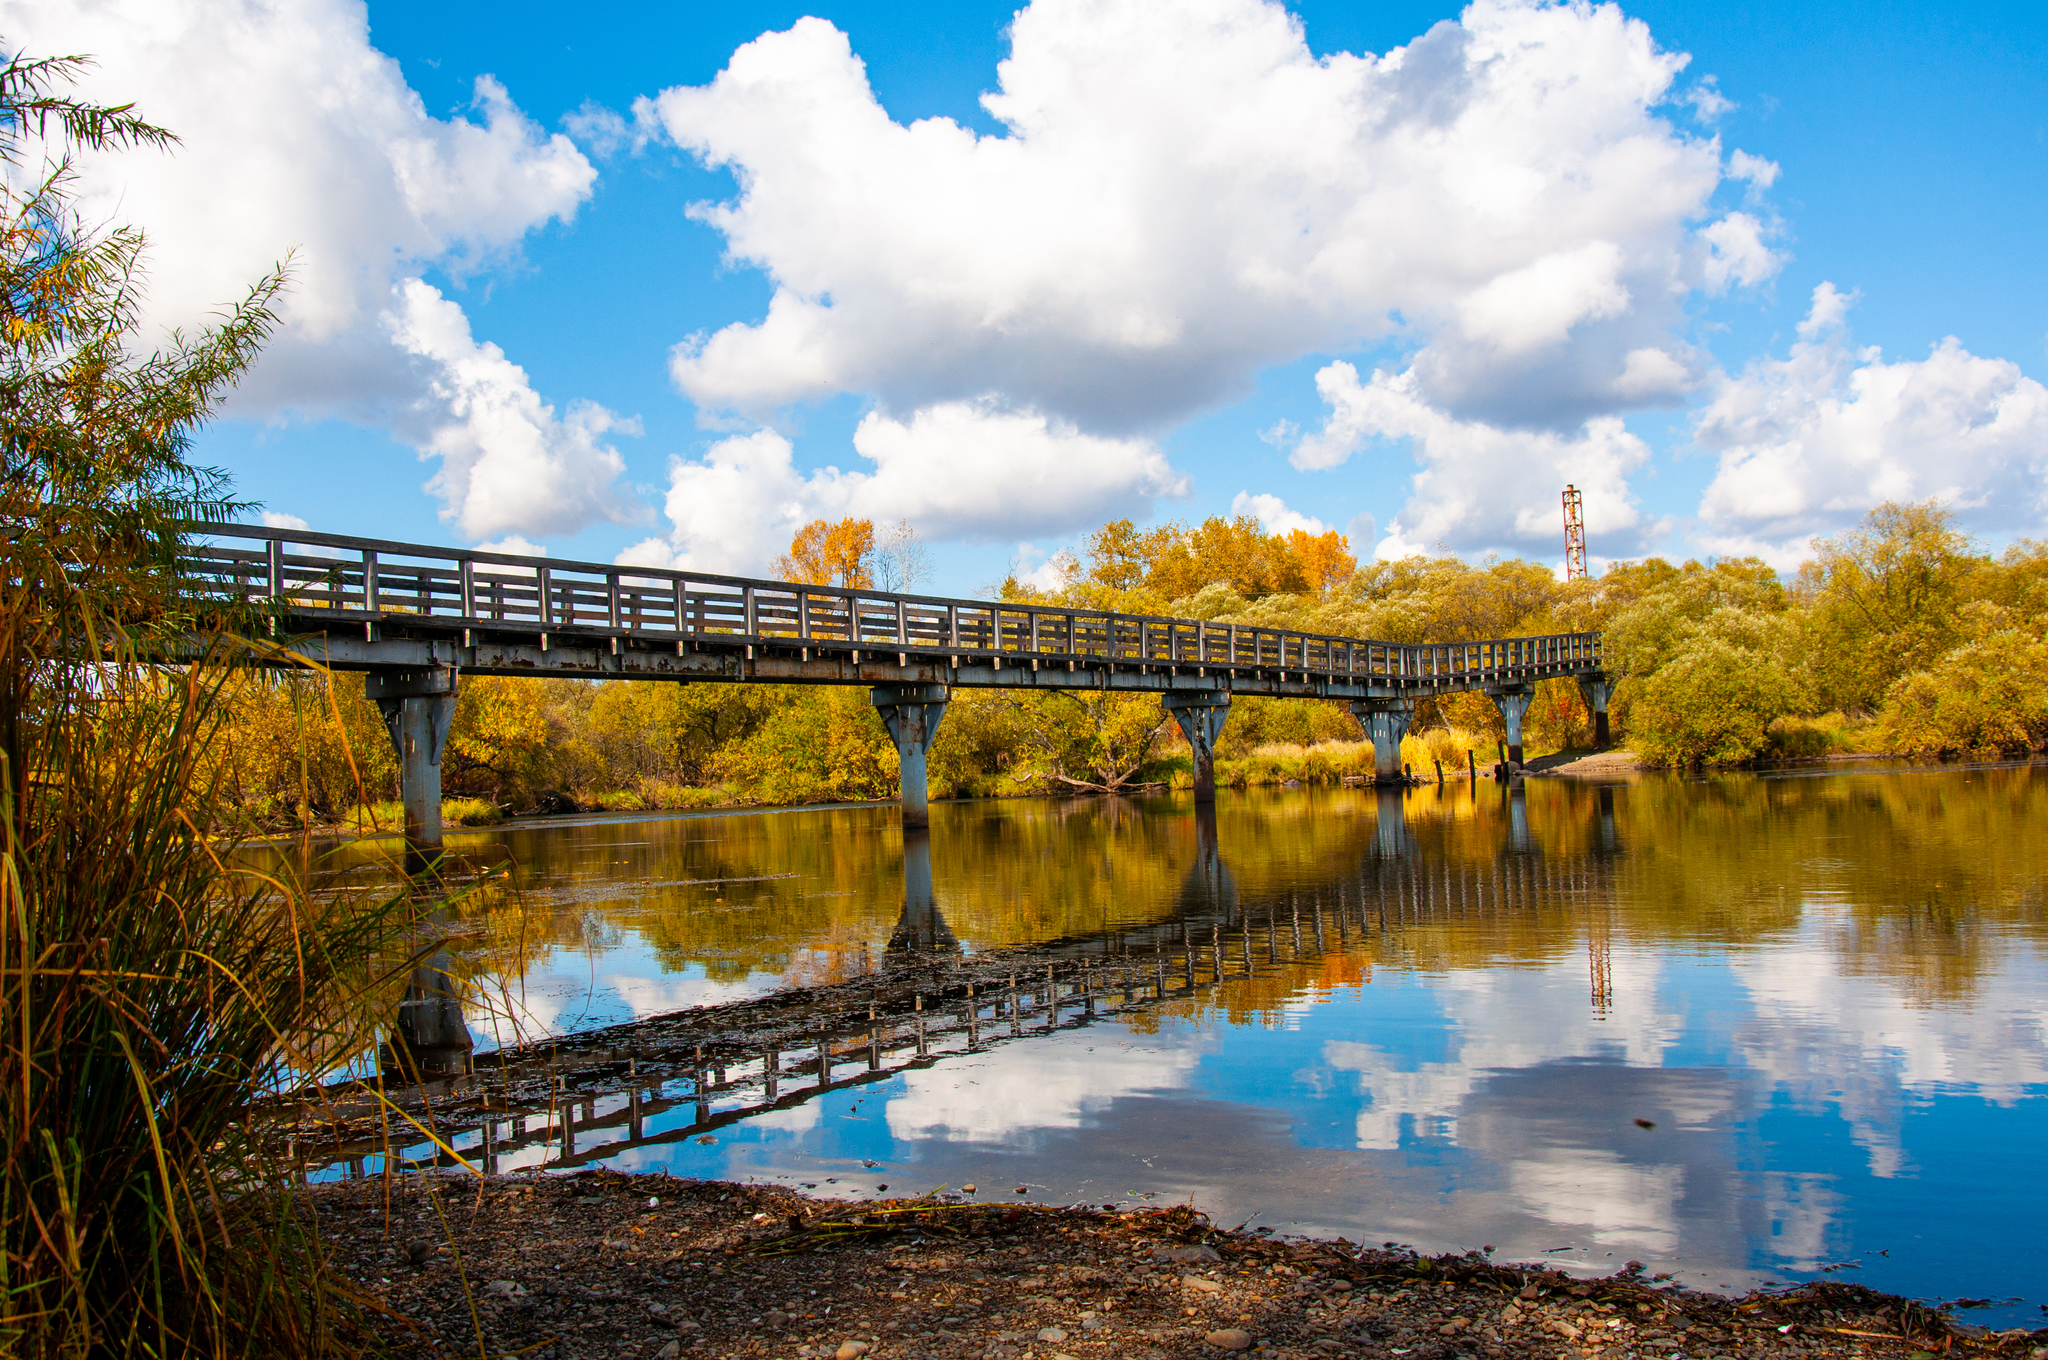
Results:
<point x="150" y="995"/>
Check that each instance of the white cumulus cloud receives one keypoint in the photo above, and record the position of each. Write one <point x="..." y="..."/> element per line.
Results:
<point x="1481" y="486"/>
<point x="507" y="462"/>
<point x="962" y="470"/>
<point x="1273" y="514"/>
<point x="298" y="135"/>
<point x="1184" y="194"/>
<point x="1810" y="442"/>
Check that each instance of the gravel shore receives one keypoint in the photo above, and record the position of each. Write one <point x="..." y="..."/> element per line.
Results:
<point x="609" y="1265"/>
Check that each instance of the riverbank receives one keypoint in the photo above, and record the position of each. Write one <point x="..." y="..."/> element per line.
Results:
<point x="613" y="1265"/>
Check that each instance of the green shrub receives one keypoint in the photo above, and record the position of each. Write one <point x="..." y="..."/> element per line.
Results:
<point x="1796" y="738"/>
<point x="1987" y="697"/>
<point x="470" y="812"/>
<point x="1711" y="704"/>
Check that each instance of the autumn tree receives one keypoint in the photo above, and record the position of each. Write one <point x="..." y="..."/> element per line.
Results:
<point x="1325" y="559"/>
<point x="1883" y="600"/>
<point x="498" y="743"/>
<point x="827" y="554"/>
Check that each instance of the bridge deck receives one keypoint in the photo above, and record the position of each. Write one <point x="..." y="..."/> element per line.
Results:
<point x="362" y="603"/>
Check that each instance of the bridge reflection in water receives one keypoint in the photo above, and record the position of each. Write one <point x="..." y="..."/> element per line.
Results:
<point x="586" y="1099"/>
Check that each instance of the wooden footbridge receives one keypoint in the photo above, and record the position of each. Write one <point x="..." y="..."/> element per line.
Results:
<point x="417" y="617"/>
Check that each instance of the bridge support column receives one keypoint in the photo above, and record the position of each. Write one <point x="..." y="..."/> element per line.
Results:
<point x="418" y="706"/>
<point x="1201" y="714"/>
<point x="1513" y="703"/>
<point x="1594" y="689"/>
<point x="912" y="714"/>
<point x="1385" y="721"/>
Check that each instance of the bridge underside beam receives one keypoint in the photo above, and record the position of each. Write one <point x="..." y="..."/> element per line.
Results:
<point x="579" y="656"/>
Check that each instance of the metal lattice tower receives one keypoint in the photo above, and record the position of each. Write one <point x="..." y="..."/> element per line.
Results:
<point x="1574" y="536"/>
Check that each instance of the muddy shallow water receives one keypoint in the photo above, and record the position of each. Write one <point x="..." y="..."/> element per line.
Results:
<point x="1745" y="1028"/>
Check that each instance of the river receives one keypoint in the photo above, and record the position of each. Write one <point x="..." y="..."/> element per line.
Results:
<point x="1740" y="1029"/>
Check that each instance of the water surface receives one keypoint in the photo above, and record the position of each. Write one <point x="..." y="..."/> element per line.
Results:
<point x="1740" y="1029"/>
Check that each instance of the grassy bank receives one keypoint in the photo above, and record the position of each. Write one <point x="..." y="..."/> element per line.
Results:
<point x="1271" y="764"/>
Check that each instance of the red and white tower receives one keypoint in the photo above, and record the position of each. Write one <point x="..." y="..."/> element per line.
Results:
<point x="1574" y="536"/>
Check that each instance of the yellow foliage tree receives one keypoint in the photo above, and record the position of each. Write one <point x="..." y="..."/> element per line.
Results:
<point x="1325" y="559"/>
<point x="498" y="743"/>
<point x="827" y="554"/>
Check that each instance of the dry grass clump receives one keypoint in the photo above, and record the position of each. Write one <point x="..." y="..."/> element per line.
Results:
<point x="149" y="993"/>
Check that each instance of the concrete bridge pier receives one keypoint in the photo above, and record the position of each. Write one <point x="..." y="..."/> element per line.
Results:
<point x="912" y="714"/>
<point x="1593" y="688"/>
<point x="418" y="706"/>
<point x="1513" y="703"/>
<point x="1386" y="722"/>
<point x="1201" y="714"/>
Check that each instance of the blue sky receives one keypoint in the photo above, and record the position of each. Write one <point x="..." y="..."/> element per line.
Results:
<point x="1146" y="308"/>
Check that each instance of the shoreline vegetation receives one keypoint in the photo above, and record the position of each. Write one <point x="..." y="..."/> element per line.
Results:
<point x="1902" y="637"/>
<point x="1273" y="765"/>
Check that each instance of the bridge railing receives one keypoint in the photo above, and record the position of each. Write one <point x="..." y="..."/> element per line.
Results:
<point x="333" y="577"/>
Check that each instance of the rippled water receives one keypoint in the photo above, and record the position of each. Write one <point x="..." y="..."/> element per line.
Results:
<point x="1738" y="1029"/>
